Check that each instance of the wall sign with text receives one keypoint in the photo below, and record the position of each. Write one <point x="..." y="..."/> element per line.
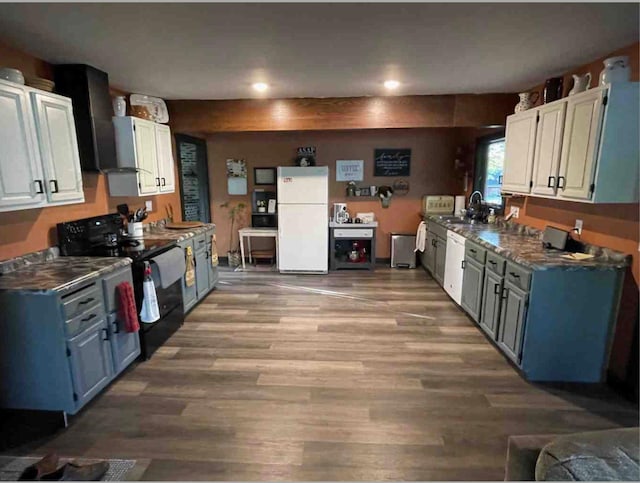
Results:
<point x="349" y="170"/>
<point x="392" y="162"/>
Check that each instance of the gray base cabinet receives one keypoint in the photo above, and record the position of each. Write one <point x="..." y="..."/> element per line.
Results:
<point x="435" y="254"/>
<point x="202" y="273"/>
<point x="91" y="362"/>
<point x="189" y="293"/>
<point x="60" y="349"/>
<point x="491" y="298"/>
<point x="428" y="257"/>
<point x="125" y="346"/>
<point x="440" y="257"/>
<point x="472" y="282"/>
<point x="512" y="316"/>
<point x="206" y="275"/>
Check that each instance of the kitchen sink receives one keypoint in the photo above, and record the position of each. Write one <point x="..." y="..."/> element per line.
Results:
<point x="454" y="220"/>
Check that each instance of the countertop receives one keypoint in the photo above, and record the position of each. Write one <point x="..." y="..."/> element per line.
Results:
<point x="158" y="231"/>
<point x="523" y="245"/>
<point x="59" y="273"/>
<point x="333" y="224"/>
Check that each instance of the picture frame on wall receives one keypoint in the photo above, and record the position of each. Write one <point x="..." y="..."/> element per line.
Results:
<point x="264" y="176"/>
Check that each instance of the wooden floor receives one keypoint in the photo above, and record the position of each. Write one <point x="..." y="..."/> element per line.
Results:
<point x="350" y="376"/>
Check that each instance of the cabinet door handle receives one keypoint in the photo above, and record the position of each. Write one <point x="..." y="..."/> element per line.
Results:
<point x="116" y="327"/>
<point x="505" y="292"/>
<point x="40" y="189"/>
<point x="55" y="185"/>
<point x="496" y="289"/>
<point x="157" y="181"/>
<point x="88" y="301"/>
<point x="561" y="186"/>
<point x="514" y="274"/>
<point x="551" y="182"/>
<point x="106" y="334"/>
<point x="462" y="264"/>
<point x="164" y="182"/>
<point x="473" y="250"/>
<point x="86" y="319"/>
<point x="492" y="262"/>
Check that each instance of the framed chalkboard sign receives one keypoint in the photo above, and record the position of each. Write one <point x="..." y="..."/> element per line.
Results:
<point x="392" y="162"/>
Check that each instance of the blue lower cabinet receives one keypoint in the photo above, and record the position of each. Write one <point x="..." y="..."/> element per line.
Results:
<point x="125" y="346"/>
<point x="512" y="319"/>
<point x="91" y="362"/>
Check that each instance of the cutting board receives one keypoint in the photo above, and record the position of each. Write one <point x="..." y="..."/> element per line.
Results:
<point x="183" y="225"/>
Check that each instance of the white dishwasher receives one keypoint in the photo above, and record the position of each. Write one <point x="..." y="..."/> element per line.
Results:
<point x="453" y="266"/>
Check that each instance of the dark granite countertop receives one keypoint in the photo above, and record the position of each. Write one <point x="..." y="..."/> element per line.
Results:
<point x="158" y="231"/>
<point x="54" y="273"/>
<point x="523" y="245"/>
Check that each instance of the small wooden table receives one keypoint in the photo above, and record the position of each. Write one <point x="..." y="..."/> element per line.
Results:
<point x="256" y="232"/>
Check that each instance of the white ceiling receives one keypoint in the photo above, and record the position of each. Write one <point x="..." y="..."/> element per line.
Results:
<point x="216" y="51"/>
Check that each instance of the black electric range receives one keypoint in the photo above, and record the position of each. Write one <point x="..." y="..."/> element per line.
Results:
<point x="103" y="236"/>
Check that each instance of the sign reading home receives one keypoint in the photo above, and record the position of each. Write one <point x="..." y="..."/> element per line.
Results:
<point x="392" y="162"/>
<point x="349" y="170"/>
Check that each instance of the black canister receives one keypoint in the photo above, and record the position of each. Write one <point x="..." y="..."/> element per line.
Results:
<point x="552" y="90"/>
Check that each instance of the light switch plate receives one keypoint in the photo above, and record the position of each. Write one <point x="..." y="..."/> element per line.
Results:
<point x="515" y="210"/>
<point x="578" y="227"/>
<point x="148" y="205"/>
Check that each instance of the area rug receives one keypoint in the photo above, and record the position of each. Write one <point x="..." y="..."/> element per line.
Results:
<point x="12" y="466"/>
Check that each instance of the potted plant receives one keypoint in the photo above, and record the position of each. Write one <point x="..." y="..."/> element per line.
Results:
<point x="262" y="206"/>
<point x="235" y="213"/>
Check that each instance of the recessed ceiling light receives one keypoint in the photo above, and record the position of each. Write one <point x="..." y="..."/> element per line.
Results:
<point x="391" y="84"/>
<point x="260" y="86"/>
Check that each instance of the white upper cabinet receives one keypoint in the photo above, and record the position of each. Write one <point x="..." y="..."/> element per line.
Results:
<point x="21" y="180"/>
<point x="144" y="149"/>
<point x="58" y="147"/>
<point x="546" y="159"/>
<point x="519" y="150"/>
<point x="39" y="162"/>
<point x="146" y="156"/>
<point x="586" y="147"/>
<point x="165" y="159"/>
<point x="580" y="145"/>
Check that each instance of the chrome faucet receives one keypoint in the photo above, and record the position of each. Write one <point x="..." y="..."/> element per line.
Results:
<point x="473" y="194"/>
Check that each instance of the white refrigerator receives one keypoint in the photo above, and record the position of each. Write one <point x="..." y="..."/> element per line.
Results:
<point x="303" y="219"/>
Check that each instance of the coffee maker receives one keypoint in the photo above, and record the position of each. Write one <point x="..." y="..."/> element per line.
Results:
<point x="340" y="213"/>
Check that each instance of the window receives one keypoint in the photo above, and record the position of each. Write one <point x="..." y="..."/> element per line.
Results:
<point x="489" y="167"/>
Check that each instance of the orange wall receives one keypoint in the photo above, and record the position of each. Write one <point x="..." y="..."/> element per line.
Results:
<point x="26" y="231"/>
<point x="432" y="159"/>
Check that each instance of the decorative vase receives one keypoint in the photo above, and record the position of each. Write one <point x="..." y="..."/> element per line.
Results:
<point x="119" y="106"/>
<point x="552" y="90"/>
<point x="527" y="100"/>
<point x="580" y="83"/>
<point x="616" y="69"/>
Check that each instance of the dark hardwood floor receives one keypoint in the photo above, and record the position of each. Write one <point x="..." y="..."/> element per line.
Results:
<point x="350" y="376"/>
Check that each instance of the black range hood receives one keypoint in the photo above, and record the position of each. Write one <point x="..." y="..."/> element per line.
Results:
<point x="88" y="88"/>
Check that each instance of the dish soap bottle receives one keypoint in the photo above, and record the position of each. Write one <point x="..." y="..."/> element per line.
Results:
<point x="492" y="216"/>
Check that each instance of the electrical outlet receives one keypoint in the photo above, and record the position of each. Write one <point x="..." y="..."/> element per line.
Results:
<point x="149" y="205"/>
<point x="578" y="227"/>
<point x="515" y="211"/>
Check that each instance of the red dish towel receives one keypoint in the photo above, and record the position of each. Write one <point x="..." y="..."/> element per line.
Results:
<point x="127" y="312"/>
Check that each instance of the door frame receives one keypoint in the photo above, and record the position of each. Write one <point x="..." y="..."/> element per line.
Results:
<point x="205" y="207"/>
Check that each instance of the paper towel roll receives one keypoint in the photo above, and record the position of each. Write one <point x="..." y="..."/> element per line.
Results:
<point x="458" y="205"/>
